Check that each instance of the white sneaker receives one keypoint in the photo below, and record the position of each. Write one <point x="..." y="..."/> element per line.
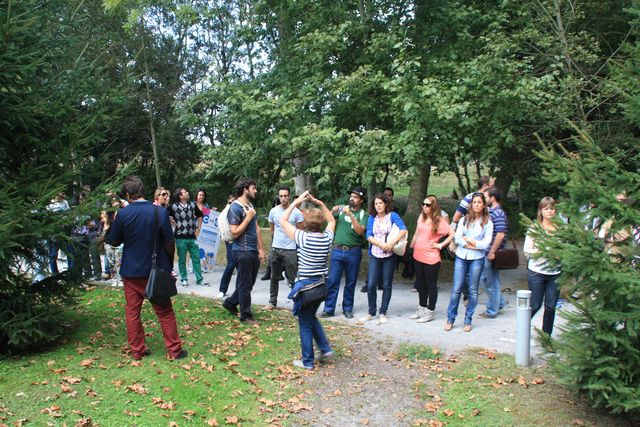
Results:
<point x="366" y="318"/>
<point x="427" y="316"/>
<point x="383" y="319"/>
<point x="298" y="364"/>
<point x="417" y="314"/>
<point x="220" y="295"/>
<point x="184" y="283"/>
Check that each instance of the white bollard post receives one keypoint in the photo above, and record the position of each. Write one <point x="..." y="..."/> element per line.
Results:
<point x="523" y="328"/>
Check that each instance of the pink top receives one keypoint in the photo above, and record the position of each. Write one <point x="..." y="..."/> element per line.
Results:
<point x="421" y="252"/>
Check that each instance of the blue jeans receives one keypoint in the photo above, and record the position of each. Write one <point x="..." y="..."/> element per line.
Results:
<point x="544" y="285"/>
<point x="491" y="281"/>
<point x="310" y="329"/>
<point x="228" y="270"/>
<point x="349" y="262"/>
<point x="380" y="271"/>
<point x="463" y="266"/>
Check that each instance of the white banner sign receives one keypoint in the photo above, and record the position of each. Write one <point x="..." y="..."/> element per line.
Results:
<point x="209" y="241"/>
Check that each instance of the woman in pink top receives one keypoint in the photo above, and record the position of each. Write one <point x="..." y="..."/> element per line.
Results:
<point x="430" y="229"/>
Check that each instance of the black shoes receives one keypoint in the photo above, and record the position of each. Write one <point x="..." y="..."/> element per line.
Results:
<point x="183" y="353"/>
<point x="348" y="315"/>
<point x="326" y="315"/>
<point x="364" y="289"/>
<point x="230" y="308"/>
<point x="250" y="321"/>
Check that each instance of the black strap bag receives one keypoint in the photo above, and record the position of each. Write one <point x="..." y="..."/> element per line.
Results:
<point x="161" y="285"/>
<point x="313" y="293"/>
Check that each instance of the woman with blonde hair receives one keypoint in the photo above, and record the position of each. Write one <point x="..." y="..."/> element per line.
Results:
<point x="541" y="277"/>
<point x="430" y="229"/>
<point x="473" y="237"/>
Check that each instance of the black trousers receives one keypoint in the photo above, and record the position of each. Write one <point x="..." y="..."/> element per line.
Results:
<point x="247" y="264"/>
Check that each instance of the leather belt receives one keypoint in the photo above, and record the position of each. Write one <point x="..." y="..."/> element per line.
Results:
<point x="344" y="247"/>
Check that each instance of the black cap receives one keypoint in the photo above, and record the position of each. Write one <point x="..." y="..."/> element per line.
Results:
<point x="360" y="191"/>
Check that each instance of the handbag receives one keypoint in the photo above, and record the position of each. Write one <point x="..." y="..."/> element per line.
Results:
<point x="507" y="258"/>
<point x="313" y="292"/>
<point x="400" y="247"/>
<point x="161" y="285"/>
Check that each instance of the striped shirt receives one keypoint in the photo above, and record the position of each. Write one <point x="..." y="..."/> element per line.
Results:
<point x="313" y="249"/>
<point x="500" y="225"/>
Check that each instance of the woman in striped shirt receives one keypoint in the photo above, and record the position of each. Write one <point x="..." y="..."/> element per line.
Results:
<point x="313" y="245"/>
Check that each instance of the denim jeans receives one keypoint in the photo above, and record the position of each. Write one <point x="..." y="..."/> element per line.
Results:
<point x="189" y="245"/>
<point x="281" y="259"/>
<point x="380" y="271"/>
<point x="463" y="266"/>
<point x="544" y="285"/>
<point x="349" y="262"/>
<point x="247" y="263"/>
<point x="228" y="270"/>
<point x="310" y="329"/>
<point x="490" y="279"/>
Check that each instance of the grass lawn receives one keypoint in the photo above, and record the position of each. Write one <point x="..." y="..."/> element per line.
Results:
<point x="233" y="375"/>
<point x="481" y="388"/>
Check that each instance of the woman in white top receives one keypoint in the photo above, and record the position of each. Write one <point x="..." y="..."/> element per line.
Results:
<point x="540" y="276"/>
<point x="473" y="237"/>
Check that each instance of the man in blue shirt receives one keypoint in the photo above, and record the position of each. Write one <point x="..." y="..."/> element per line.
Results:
<point x="133" y="226"/>
<point x="283" y="249"/>
<point x="247" y="248"/>
<point x="495" y="299"/>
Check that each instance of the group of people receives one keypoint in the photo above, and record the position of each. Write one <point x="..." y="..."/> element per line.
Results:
<point x="304" y="233"/>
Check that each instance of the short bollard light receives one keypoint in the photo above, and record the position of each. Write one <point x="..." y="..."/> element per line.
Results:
<point x="523" y="328"/>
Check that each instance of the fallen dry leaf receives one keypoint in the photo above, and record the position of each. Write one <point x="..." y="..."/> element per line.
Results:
<point x="448" y="412"/>
<point x="577" y="422"/>
<point x="212" y="422"/>
<point x="137" y="388"/>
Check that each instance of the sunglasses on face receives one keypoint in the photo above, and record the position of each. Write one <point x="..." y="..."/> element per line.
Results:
<point x="426" y="204"/>
<point x="164" y="194"/>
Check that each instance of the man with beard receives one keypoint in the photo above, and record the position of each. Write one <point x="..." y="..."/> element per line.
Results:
<point x="247" y="248"/>
<point x="347" y="252"/>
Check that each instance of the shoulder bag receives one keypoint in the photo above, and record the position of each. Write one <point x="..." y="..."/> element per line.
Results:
<point x="400" y="247"/>
<point x="313" y="293"/>
<point x="507" y="258"/>
<point x="161" y="285"/>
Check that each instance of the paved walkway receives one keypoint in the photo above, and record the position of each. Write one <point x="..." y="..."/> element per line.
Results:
<point x="498" y="334"/>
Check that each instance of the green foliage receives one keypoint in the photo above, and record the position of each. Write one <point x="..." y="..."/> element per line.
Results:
<point x="599" y="348"/>
<point x="52" y="114"/>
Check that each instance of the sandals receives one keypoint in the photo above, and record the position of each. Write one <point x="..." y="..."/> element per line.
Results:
<point x="467" y="328"/>
<point x="448" y="326"/>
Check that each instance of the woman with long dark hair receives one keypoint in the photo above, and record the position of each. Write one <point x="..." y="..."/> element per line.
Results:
<point x="382" y="260"/>
<point x="430" y="229"/>
<point x="541" y="277"/>
<point x="473" y="237"/>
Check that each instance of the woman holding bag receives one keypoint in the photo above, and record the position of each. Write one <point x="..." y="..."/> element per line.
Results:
<point x="382" y="260"/>
<point x="313" y="245"/>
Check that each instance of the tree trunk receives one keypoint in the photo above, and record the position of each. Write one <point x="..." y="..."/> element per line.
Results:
<point x="152" y="129"/>
<point x="417" y="190"/>
<point x="372" y="189"/>
<point x="301" y="179"/>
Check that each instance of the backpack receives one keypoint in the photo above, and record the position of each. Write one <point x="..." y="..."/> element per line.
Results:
<point x="223" y="223"/>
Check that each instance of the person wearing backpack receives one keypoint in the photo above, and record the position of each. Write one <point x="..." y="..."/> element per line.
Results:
<point x="247" y="247"/>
